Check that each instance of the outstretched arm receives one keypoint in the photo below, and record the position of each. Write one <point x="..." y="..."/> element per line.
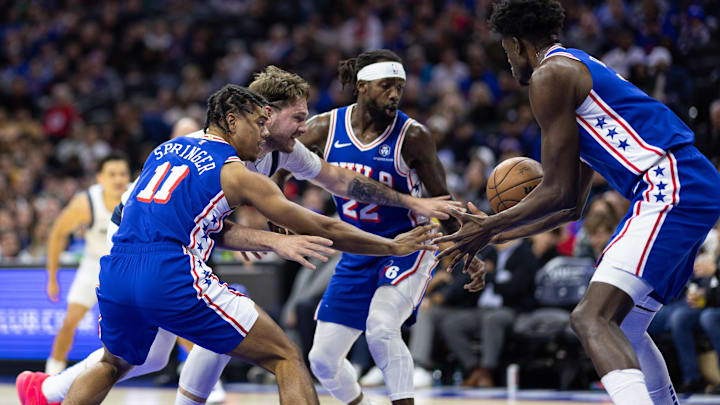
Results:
<point x="291" y="247"/>
<point x="555" y="89"/>
<point x="351" y="184"/>
<point x="242" y="186"/>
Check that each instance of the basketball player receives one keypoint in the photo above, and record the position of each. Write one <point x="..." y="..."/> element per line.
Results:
<point x="591" y="118"/>
<point x="91" y="209"/>
<point x="374" y="294"/>
<point x="289" y="94"/>
<point x="156" y="274"/>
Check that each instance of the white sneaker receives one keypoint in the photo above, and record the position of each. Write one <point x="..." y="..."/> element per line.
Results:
<point x="217" y="395"/>
<point x="422" y="378"/>
<point x="372" y="378"/>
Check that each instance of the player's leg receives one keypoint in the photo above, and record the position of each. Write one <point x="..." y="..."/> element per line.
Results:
<point x="402" y="284"/>
<point x="55" y="387"/>
<point x="93" y="384"/>
<point x="199" y="375"/>
<point x="596" y="320"/>
<point x="64" y="338"/>
<point x="329" y="363"/>
<point x="267" y="346"/>
<point x="652" y="363"/>
<point x="388" y="311"/>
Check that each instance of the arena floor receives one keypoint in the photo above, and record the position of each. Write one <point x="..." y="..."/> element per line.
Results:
<point x="251" y="394"/>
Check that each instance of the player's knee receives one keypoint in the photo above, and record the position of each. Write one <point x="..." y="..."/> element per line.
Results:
<point x="379" y="326"/>
<point x="584" y="322"/>
<point x="322" y="364"/>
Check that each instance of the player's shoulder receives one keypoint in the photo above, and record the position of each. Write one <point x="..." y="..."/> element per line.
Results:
<point x="558" y="72"/>
<point x="319" y="120"/>
<point x="416" y="131"/>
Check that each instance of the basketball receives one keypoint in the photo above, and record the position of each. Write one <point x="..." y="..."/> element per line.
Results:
<point x="511" y="181"/>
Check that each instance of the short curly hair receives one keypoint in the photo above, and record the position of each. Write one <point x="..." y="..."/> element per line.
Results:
<point x="537" y="21"/>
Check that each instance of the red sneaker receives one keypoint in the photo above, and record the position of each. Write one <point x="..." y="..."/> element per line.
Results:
<point x="29" y="388"/>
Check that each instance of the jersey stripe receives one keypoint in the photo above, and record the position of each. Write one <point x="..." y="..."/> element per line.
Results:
<point x="607" y="146"/>
<point x="331" y="133"/>
<point x="202" y="295"/>
<point x="624" y="124"/>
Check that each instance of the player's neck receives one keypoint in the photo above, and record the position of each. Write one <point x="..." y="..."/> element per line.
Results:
<point x="362" y="119"/>
<point x="541" y="53"/>
<point x="215" y="131"/>
<point x="110" y="200"/>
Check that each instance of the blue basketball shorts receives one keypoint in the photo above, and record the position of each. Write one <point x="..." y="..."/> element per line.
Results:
<point x="676" y="204"/>
<point x="347" y="298"/>
<point x="163" y="285"/>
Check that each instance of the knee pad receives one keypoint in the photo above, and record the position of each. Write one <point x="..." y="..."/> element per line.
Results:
<point x="321" y="363"/>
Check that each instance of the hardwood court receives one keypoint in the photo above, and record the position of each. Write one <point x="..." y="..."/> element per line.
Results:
<point x="250" y="394"/>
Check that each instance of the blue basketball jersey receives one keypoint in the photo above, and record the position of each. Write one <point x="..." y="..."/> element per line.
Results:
<point x="178" y="196"/>
<point x="623" y="131"/>
<point x="380" y="160"/>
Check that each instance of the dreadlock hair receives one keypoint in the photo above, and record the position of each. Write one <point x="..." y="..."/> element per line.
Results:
<point x="231" y="98"/>
<point x="348" y="68"/>
<point x="280" y="87"/>
<point x="537" y="21"/>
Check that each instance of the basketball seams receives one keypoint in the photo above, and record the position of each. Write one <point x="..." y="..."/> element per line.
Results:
<point x="495" y="194"/>
<point x="519" y="184"/>
<point x="506" y="172"/>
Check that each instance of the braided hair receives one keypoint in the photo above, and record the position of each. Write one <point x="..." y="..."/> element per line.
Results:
<point x="348" y="68"/>
<point x="231" y="98"/>
<point x="538" y="21"/>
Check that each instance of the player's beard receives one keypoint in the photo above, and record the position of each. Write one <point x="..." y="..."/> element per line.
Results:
<point x="380" y="113"/>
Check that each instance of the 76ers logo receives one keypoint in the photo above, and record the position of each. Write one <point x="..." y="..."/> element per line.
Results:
<point x="384" y="150"/>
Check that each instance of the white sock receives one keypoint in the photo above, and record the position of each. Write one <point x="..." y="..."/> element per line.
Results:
<point x="627" y="387"/>
<point x="56" y="386"/>
<point x="389" y="309"/>
<point x="181" y="399"/>
<point x="331" y="344"/>
<point x="53" y="366"/>
<point x="201" y="372"/>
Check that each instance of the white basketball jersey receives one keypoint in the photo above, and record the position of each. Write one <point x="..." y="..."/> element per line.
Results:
<point x="95" y="237"/>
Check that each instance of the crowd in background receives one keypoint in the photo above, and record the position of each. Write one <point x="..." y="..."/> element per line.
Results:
<point x="79" y="79"/>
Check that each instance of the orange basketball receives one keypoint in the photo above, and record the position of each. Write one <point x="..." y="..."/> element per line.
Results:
<point x="511" y="181"/>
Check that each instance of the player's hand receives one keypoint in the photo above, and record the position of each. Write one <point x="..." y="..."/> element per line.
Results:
<point x="436" y="207"/>
<point x="53" y="290"/>
<point x="298" y="247"/>
<point x="473" y="235"/>
<point x="414" y="240"/>
<point x="477" y="273"/>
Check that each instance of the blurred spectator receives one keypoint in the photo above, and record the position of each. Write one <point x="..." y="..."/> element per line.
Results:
<point x="507" y="293"/>
<point x="625" y="54"/>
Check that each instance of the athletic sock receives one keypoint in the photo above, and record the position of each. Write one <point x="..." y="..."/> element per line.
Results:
<point x="627" y="387"/>
<point x="56" y="386"/>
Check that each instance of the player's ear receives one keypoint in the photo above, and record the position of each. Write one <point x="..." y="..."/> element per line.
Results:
<point x="232" y="121"/>
<point x="518" y="45"/>
<point x="361" y="86"/>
